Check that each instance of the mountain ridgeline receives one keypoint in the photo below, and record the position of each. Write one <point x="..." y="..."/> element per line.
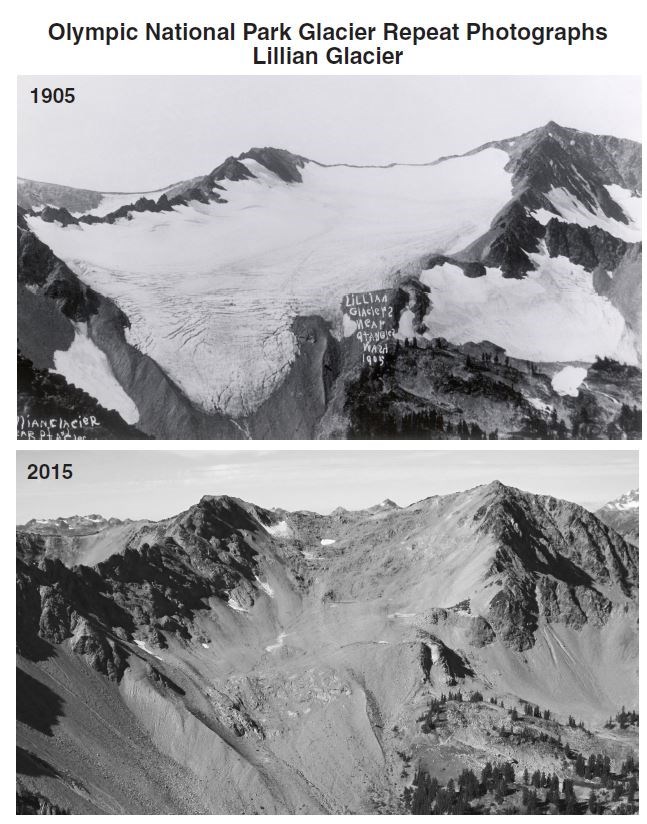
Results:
<point x="623" y="515"/>
<point x="238" y="659"/>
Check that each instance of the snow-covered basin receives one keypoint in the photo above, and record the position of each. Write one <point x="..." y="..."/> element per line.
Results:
<point x="553" y="314"/>
<point x="211" y="290"/>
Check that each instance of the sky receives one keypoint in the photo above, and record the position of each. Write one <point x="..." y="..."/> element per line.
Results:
<point x="157" y="484"/>
<point x="141" y="133"/>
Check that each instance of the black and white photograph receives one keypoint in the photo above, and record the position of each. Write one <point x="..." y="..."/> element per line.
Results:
<point x="327" y="632"/>
<point x="312" y="257"/>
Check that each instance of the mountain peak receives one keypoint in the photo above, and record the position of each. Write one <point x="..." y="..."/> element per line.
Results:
<point x="231" y="169"/>
<point x="498" y="488"/>
<point x="630" y="500"/>
<point x="553" y="126"/>
<point x="283" y="163"/>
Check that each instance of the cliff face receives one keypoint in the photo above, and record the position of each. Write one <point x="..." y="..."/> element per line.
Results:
<point x="556" y="561"/>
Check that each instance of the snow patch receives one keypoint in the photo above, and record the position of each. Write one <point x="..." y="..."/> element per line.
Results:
<point x="142" y="645"/>
<point x="327" y="541"/>
<point x="435" y="652"/>
<point x="567" y="381"/>
<point x="630" y="500"/>
<point x="279" y="643"/>
<point x="405" y="326"/>
<point x="542" y="406"/>
<point x="234" y="604"/>
<point x="265" y="587"/>
<point x="281" y="529"/>
<point x="349" y="326"/>
<point x="631" y="203"/>
<point x="571" y="210"/>
<point x="206" y="646"/>
<point x="88" y="368"/>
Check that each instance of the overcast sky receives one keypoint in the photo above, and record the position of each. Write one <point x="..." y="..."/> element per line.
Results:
<point x="142" y="133"/>
<point x="158" y="484"/>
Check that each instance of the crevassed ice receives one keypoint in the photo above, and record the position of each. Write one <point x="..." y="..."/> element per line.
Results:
<point x="211" y="291"/>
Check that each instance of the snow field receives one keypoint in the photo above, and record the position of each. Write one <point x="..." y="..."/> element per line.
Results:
<point x="87" y="367"/>
<point x="554" y="314"/>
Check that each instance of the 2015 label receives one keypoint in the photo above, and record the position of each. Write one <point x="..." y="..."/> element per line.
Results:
<point x="44" y="472"/>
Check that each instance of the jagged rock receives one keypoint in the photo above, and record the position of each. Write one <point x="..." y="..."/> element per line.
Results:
<point x="101" y="652"/>
<point x="62" y="216"/>
<point x="515" y="234"/>
<point x="470" y="268"/>
<point x="39" y="267"/>
<point x="588" y="247"/>
<point x="284" y="164"/>
<point x="480" y="633"/>
<point x="232" y="169"/>
<point x="513" y="614"/>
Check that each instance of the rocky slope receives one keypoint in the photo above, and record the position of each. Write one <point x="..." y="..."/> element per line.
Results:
<point x="623" y="515"/>
<point x="236" y="659"/>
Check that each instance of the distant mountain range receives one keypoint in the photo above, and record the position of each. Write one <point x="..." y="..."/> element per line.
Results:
<point x="623" y="515"/>
<point x="235" y="659"/>
<point x="212" y="308"/>
<point x="76" y="525"/>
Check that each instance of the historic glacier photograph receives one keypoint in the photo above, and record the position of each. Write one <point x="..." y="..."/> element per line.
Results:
<point x="328" y="632"/>
<point x="330" y="258"/>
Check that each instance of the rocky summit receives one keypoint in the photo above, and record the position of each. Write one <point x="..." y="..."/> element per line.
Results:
<point x="235" y="659"/>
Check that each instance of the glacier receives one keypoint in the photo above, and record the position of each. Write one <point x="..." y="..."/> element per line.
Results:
<point x="211" y="289"/>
